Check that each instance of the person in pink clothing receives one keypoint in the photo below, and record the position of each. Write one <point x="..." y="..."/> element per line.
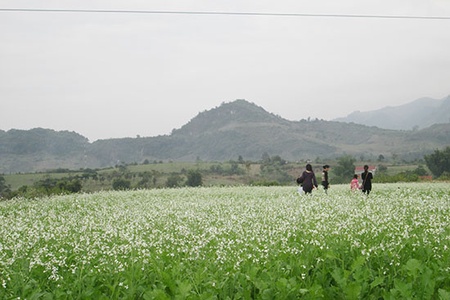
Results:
<point x="354" y="184"/>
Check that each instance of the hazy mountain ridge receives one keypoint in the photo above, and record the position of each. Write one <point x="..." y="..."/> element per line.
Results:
<point x="233" y="129"/>
<point x="417" y="114"/>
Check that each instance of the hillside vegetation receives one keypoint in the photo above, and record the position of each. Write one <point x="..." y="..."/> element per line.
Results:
<point x="234" y="129"/>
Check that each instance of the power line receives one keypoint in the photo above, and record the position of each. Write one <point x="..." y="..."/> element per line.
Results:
<point x="267" y="14"/>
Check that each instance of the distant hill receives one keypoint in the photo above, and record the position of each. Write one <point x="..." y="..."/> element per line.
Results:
<point x="40" y="149"/>
<point x="418" y="114"/>
<point x="234" y="129"/>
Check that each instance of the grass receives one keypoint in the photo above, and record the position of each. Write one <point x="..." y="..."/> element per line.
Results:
<point x="229" y="243"/>
<point x="18" y="180"/>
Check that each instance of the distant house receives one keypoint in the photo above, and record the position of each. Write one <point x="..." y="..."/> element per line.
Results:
<point x="360" y="169"/>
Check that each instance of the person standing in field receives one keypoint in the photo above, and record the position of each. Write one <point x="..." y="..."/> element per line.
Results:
<point x="366" y="177"/>
<point x="354" y="184"/>
<point x="325" y="182"/>
<point x="308" y="180"/>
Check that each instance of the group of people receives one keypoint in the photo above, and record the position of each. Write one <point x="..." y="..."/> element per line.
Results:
<point x="308" y="180"/>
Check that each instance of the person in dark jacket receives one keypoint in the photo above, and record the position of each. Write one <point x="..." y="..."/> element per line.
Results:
<point x="366" y="177"/>
<point x="325" y="182"/>
<point x="309" y="180"/>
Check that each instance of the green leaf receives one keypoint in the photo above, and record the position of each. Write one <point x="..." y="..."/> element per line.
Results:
<point x="358" y="262"/>
<point x="377" y="282"/>
<point x="303" y="291"/>
<point x="184" y="289"/>
<point x="352" y="290"/>
<point x="443" y="294"/>
<point x="338" y="276"/>
<point x="282" y="284"/>
<point x="156" y="294"/>
<point x="405" y="289"/>
<point x="413" y="266"/>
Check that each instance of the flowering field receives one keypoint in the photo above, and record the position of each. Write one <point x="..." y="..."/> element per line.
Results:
<point x="229" y="243"/>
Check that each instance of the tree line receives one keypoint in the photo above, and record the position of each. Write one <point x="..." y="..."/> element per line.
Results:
<point x="274" y="170"/>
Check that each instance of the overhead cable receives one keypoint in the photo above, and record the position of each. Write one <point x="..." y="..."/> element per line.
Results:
<point x="268" y="14"/>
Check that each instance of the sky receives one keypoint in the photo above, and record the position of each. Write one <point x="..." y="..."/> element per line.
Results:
<point x="114" y="75"/>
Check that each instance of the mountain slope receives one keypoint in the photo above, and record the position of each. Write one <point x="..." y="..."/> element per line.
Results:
<point x="242" y="128"/>
<point x="228" y="116"/>
<point x="418" y="114"/>
<point x="234" y="129"/>
<point x="37" y="149"/>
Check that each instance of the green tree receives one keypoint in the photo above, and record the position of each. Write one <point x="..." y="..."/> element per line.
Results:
<point x="420" y="171"/>
<point x="382" y="169"/>
<point x="145" y="180"/>
<point x="121" y="184"/>
<point x="265" y="158"/>
<point x="50" y="186"/>
<point x="5" y="189"/>
<point x="344" y="170"/>
<point x="234" y="169"/>
<point x="194" y="178"/>
<point x="272" y="170"/>
<point x="69" y="185"/>
<point x="173" y="180"/>
<point x="438" y="162"/>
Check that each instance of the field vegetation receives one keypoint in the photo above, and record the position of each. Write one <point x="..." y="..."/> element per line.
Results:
<point x="237" y="242"/>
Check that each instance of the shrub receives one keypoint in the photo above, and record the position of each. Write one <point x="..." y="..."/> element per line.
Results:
<point x="121" y="184"/>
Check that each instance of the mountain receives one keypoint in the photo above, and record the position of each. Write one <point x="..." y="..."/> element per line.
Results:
<point x="233" y="129"/>
<point x="420" y="113"/>
<point x="40" y="149"/>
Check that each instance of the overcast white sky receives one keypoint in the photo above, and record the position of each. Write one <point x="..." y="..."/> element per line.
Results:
<point x="109" y="75"/>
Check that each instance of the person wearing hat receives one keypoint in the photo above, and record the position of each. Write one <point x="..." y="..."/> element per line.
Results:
<point x="325" y="182"/>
